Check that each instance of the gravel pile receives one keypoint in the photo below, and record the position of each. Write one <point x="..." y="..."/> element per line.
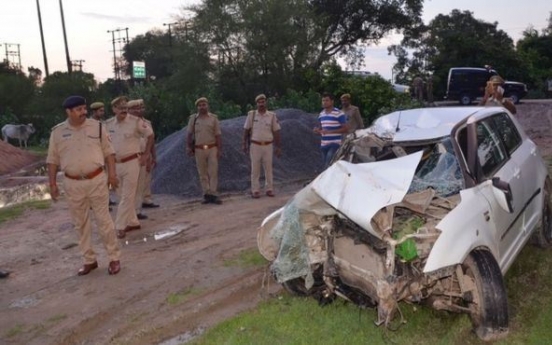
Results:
<point x="301" y="159"/>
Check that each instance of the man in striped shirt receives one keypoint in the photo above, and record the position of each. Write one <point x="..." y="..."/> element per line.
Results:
<point x="333" y="123"/>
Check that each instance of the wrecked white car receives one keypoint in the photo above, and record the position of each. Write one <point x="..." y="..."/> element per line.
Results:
<point x="425" y="206"/>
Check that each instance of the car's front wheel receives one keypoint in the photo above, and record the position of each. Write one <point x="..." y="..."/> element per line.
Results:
<point x="488" y="302"/>
<point x="514" y="97"/>
<point x="465" y="99"/>
<point x="543" y="234"/>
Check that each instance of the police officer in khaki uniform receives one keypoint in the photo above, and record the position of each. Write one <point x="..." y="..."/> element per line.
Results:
<point x="125" y="131"/>
<point x="98" y="111"/>
<point x="204" y="142"/>
<point x="262" y="134"/>
<point x="81" y="147"/>
<point x="354" y="119"/>
<point x="137" y="108"/>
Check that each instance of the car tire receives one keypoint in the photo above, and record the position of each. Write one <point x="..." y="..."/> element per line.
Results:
<point x="514" y="97"/>
<point x="488" y="303"/>
<point x="543" y="234"/>
<point x="465" y="99"/>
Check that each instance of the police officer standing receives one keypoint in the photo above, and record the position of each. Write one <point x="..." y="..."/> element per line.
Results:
<point x="80" y="147"/>
<point x="125" y="131"/>
<point x="136" y="107"/>
<point x="204" y="142"/>
<point x="354" y="119"/>
<point x="98" y="111"/>
<point x="262" y="134"/>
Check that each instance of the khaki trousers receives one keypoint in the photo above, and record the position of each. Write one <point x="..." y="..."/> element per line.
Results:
<point x="81" y="196"/>
<point x="207" y="168"/>
<point x="140" y="187"/>
<point x="261" y="155"/>
<point x="146" y="196"/>
<point x="127" y="173"/>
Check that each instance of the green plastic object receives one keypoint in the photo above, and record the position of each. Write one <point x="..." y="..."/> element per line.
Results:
<point x="407" y="250"/>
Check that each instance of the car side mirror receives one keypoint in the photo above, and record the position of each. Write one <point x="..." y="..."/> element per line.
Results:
<point x="503" y="194"/>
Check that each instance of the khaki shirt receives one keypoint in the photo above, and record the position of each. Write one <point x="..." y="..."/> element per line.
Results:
<point x="354" y="120"/>
<point x="79" y="150"/>
<point x="205" y="128"/>
<point x="263" y="126"/>
<point x="144" y="141"/>
<point x="125" y="135"/>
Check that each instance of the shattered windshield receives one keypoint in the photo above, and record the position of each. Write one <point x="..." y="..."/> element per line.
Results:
<point x="439" y="169"/>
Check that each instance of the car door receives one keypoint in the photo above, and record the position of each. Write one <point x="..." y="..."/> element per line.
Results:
<point x="524" y="154"/>
<point x="494" y="162"/>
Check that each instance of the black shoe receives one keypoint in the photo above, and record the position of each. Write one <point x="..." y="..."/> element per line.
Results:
<point x="215" y="200"/>
<point x="149" y="205"/>
<point x="4" y="274"/>
<point x="111" y="203"/>
<point x="206" y="199"/>
<point x="141" y="216"/>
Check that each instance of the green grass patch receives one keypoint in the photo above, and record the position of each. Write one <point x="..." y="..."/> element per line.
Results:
<point x="38" y="150"/>
<point x="57" y="318"/>
<point x="179" y="297"/>
<point x="15" y="330"/>
<point x="247" y="258"/>
<point x="12" y="212"/>
<point x="284" y="319"/>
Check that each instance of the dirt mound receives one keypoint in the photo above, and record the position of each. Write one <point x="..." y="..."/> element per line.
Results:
<point x="301" y="159"/>
<point x="12" y="158"/>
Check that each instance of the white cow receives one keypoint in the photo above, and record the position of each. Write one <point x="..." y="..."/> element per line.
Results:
<point x="21" y="132"/>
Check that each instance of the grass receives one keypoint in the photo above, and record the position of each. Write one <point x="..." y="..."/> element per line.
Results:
<point x="38" y="150"/>
<point x="283" y="320"/>
<point x="12" y="212"/>
<point x="179" y="297"/>
<point x="15" y="330"/>
<point x="247" y="258"/>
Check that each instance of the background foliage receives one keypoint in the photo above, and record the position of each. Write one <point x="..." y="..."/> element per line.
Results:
<point x="232" y="50"/>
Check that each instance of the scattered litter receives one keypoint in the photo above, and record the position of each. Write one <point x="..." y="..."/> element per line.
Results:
<point x="170" y="232"/>
<point x="69" y="246"/>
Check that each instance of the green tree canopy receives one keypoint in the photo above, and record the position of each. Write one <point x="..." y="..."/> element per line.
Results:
<point x="455" y="40"/>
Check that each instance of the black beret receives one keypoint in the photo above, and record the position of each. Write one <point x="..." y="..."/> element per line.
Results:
<point x="73" y="101"/>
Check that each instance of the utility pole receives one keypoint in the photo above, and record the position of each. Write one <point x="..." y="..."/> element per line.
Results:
<point x="42" y="39"/>
<point x="68" y="59"/>
<point x="13" y="54"/>
<point x="170" y="34"/>
<point x="77" y="64"/>
<point x="117" y="51"/>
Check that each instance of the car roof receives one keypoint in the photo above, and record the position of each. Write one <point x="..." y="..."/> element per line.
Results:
<point x="473" y="69"/>
<point x="424" y="123"/>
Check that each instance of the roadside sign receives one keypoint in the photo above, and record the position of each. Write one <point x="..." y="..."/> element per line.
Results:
<point x="138" y="69"/>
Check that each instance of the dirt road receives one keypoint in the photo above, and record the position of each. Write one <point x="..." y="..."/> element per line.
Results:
<point x="166" y="287"/>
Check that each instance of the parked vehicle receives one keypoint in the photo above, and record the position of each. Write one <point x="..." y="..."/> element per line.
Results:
<point x="428" y="205"/>
<point x="466" y="84"/>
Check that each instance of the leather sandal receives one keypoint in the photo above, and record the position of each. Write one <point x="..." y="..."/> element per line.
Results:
<point x="121" y="234"/>
<point x="255" y="195"/>
<point x="132" y="228"/>
<point x="270" y="193"/>
<point x="87" y="268"/>
<point x="114" y="267"/>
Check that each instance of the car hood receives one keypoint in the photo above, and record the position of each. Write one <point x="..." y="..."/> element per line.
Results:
<point x="359" y="191"/>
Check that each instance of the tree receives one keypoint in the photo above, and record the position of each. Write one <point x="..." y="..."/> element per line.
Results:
<point x="455" y="40"/>
<point x="536" y="52"/>
<point x="16" y="91"/>
<point x="275" y="45"/>
<point x="152" y="48"/>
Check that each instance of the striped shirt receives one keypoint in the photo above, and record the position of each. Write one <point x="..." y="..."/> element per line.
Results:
<point x="331" y="121"/>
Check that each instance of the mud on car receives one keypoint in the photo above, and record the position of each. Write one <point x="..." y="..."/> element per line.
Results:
<point x="426" y="206"/>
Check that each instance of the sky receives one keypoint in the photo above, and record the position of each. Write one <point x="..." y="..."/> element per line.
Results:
<point x="87" y="24"/>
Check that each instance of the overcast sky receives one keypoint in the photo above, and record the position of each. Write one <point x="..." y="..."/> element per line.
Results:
<point x="87" y="23"/>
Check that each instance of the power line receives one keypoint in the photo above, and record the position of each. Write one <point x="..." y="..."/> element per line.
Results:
<point x="118" y="46"/>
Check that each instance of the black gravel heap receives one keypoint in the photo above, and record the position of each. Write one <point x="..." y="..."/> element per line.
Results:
<point x="176" y="173"/>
